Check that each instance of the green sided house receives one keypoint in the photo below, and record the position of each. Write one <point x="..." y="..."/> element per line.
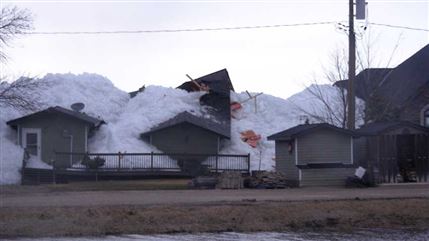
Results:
<point x="55" y="129"/>
<point x="315" y="154"/>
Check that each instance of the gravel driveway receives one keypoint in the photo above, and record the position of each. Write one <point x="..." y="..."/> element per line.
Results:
<point x="101" y="198"/>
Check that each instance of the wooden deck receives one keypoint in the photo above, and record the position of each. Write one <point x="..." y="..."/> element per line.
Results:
<point x="119" y="166"/>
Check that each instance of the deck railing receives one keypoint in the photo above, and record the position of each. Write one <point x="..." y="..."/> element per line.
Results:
<point x="151" y="161"/>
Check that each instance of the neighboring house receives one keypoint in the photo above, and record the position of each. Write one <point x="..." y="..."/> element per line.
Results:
<point x="400" y="93"/>
<point x="189" y="139"/>
<point x="314" y="154"/>
<point x="395" y="151"/>
<point x="55" y="129"/>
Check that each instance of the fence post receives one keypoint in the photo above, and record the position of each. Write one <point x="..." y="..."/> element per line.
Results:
<point x="53" y="172"/>
<point x="248" y="163"/>
<point x="151" y="160"/>
<point x="119" y="160"/>
<point x="217" y="160"/>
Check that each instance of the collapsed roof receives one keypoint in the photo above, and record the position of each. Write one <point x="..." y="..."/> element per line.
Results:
<point x="218" y="82"/>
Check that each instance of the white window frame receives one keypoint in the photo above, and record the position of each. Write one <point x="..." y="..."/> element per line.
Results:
<point x="38" y="131"/>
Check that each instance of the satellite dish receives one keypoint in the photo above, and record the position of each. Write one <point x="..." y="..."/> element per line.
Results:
<point x="77" y="106"/>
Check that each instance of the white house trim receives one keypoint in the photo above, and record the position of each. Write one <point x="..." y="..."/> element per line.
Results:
<point x="296" y="151"/>
<point x="351" y="150"/>
<point x="422" y="114"/>
<point x="86" y="138"/>
<point x="18" y="136"/>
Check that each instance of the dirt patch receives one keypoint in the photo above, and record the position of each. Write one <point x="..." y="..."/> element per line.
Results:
<point x="214" y="217"/>
<point x="125" y="185"/>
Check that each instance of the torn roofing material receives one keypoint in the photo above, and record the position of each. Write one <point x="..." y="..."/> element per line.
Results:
<point x="94" y="122"/>
<point x="186" y="117"/>
<point x="298" y="130"/>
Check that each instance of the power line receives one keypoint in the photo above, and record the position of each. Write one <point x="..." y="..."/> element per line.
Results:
<point x="208" y="29"/>
<point x="179" y="30"/>
<point x="401" y="27"/>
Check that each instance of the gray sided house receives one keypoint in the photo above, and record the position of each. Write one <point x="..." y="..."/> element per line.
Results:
<point x="55" y="129"/>
<point x="188" y="134"/>
<point x="314" y="154"/>
<point x="396" y="94"/>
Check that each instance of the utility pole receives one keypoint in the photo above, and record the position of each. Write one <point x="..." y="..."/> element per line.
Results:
<point x="352" y="70"/>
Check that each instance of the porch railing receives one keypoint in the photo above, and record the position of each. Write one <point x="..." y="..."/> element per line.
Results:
<point x="152" y="161"/>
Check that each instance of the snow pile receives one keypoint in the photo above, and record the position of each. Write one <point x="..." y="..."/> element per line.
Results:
<point x="10" y="153"/>
<point x="148" y="109"/>
<point x="127" y="118"/>
<point x="101" y="98"/>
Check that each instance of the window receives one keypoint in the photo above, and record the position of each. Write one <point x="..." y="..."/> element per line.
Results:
<point x="32" y="143"/>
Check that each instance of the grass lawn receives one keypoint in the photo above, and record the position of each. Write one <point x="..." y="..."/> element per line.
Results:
<point x="149" y="184"/>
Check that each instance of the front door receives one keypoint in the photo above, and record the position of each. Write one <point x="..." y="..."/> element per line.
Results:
<point x="31" y="141"/>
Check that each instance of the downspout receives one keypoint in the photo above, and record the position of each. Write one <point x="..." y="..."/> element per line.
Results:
<point x="18" y="136"/>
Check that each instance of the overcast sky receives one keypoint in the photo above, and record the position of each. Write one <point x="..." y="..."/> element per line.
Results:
<point x="277" y="61"/>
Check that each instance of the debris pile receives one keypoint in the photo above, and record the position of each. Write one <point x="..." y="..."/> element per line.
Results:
<point x="267" y="180"/>
<point x="203" y="182"/>
<point x="230" y="180"/>
<point x="250" y="137"/>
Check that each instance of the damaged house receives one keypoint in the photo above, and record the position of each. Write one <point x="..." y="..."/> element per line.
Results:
<point x="200" y="136"/>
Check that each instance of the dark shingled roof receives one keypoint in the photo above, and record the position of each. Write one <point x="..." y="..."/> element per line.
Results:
<point x="218" y="82"/>
<point x="378" y="128"/>
<point x="397" y="85"/>
<point x="407" y="78"/>
<point x="366" y="81"/>
<point x="58" y="109"/>
<point x="194" y="120"/>
<point x="298" y="130"/>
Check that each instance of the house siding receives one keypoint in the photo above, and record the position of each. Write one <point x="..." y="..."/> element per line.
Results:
<point x="185" y="138"/>
<point x="285" y="162"/>
<point x="325" y="176"/>
<point x="324" y="146"/>
<point x="52" y="128"/>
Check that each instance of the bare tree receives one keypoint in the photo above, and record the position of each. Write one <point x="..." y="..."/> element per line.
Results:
<point x="13" y="22"/>
<point x="333" y="108"/>
<point x="21" y="94"/>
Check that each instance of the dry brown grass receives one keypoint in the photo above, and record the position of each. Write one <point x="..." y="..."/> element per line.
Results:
<point x="214" y="217"/>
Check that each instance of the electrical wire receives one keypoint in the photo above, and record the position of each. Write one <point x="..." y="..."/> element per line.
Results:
<point x="178" y="30"/>
<point x="210" y="29"/>
<point x="401" y="27"/>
